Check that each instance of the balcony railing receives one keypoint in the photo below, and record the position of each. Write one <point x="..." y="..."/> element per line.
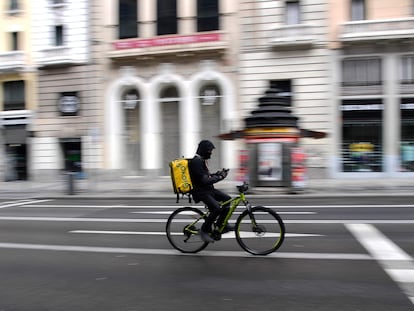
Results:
<point x="172" y="44"/>
<point x="377" y="30"/>
<point x="12" y="61"/>
<point x="55" y="56"/>
<point x="293" y="36"/>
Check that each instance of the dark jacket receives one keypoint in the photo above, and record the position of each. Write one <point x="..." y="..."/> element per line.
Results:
<point x="201" y="177"/>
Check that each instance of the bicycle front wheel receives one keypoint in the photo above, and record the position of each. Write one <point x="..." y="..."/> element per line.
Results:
<point x="261" y="231"/>
<point x="183" y="228"/>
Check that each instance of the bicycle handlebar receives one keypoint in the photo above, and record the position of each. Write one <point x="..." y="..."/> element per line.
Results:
<point x="243" y="188"/>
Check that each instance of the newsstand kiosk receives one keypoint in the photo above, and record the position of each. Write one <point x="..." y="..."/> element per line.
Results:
<point x="273" y="157"/>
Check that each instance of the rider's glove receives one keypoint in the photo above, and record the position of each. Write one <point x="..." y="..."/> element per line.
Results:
<point x="223" y="173"/>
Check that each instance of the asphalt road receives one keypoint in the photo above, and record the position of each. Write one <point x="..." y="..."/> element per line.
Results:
<point x="339" y="254"/>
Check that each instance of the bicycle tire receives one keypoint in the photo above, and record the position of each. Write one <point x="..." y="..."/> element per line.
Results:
<point x="266" y="237"/>
<point x="182" y="239"/>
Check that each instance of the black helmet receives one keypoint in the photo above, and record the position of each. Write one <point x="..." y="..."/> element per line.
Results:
<point x="205" y="147"/>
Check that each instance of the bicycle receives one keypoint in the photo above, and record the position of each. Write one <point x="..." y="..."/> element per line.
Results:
<point x="259" y="230"/>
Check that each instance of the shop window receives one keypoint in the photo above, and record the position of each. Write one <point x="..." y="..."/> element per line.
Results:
<point x="166" y="17"/>
<point x="361" y="72"/>
<point x="292" y="12"/>
<point x="407" y="134"/>
<point x="362" y="135"/>
<point x="207" y="15"/>
<point x="59" y="35"/>
<point x="14" y="95"/>
<point x="358" y="10"/>
<point x="128" y="19"/>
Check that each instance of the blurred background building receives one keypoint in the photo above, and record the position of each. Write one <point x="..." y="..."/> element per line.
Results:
<point x="124" y="86"/>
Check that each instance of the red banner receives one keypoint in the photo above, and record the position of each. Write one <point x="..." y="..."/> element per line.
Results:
<point x="165" y="40"/>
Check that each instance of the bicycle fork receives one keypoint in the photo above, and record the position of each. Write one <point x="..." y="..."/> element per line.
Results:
<point x="251" y="216"/>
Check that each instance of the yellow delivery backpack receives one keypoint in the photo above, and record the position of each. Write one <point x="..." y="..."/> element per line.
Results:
<point x="180" y="177"/>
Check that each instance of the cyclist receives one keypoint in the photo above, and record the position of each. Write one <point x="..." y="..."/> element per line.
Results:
<point x="204" y="191"/>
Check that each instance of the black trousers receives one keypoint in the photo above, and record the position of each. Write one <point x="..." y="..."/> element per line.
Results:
<point x="211" y="200"/>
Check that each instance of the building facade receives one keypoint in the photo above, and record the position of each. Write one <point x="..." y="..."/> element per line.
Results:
<point x="172" y="81"/>
<point x="18" y="89"/>
<point x="125" y="85"/>
<point x="284" y="46"/>
<point x="69" y="114"/>
<point x="372" y="83"/>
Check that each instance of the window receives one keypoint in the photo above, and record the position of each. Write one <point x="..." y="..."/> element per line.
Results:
<point x="14" y="41"/>
<point x="207" y="15"/>
<point x="361" y="72"/>
<point x="407" y="135"/>
<point x="13" y="5"/>
<point x="407" y="70"/>
<point x="14" y="95"/>
<point x="357" y="10"/>
<point x="284" y="87"/>
<point x="128" y="18"/>
<point x="166" y="17"/>
<point x="362" y="135"/>
<point x="59" y="35"/>
<point x="292" y="13"/>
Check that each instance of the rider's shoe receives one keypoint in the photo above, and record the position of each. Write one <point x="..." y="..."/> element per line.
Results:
<point x="205" y="236"/>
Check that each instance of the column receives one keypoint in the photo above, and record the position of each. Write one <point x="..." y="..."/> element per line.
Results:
<point x="147" y="16"/>
<point x="391" y="120"/>
<point x="187" y="12"/>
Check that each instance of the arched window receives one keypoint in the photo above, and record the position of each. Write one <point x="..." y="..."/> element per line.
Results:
<point x="207" y="15"/>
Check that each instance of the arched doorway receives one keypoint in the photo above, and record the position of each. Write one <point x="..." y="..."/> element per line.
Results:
<point x="210" y="101"/>
<point x="130" y="100"/>
<point x="169" y="102"/>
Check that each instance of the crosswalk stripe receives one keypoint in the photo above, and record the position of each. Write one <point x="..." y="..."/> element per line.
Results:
<point x="396" y="262"/>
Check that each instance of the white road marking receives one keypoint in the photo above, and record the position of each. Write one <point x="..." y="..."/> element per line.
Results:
<point x="155" y="220"/>
<point x="146" y="251"/>
<point x="235" y="213"/>
<point x="396" y="262"/>
<point x="401" y="275"/>
<point x="377" y="243"/>
<point x="34" y="204"/>
<point x="229" y="235"/>
<point x="20" y="203"/>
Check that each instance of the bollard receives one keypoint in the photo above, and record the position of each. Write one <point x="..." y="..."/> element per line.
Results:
<point x="71" y="181"/>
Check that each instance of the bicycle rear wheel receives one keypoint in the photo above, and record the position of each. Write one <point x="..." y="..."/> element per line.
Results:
<point x="261" y="234"/>
<point x="183" y="228"/>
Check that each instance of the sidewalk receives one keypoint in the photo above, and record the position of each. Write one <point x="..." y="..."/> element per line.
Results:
<point x="160" y="187"/>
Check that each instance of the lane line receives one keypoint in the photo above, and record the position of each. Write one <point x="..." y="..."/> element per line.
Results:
<point x="235" y="213"/>
<point x="171" y="252"/>
<point x="155" y="220"/>
<point x="21" y="202"/>
<point x="202" y="207"/>
<point x="229" y="235"/>
<point x="395" y="261"/>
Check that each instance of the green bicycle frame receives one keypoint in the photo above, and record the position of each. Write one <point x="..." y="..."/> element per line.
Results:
<point x="234" y="203"/>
